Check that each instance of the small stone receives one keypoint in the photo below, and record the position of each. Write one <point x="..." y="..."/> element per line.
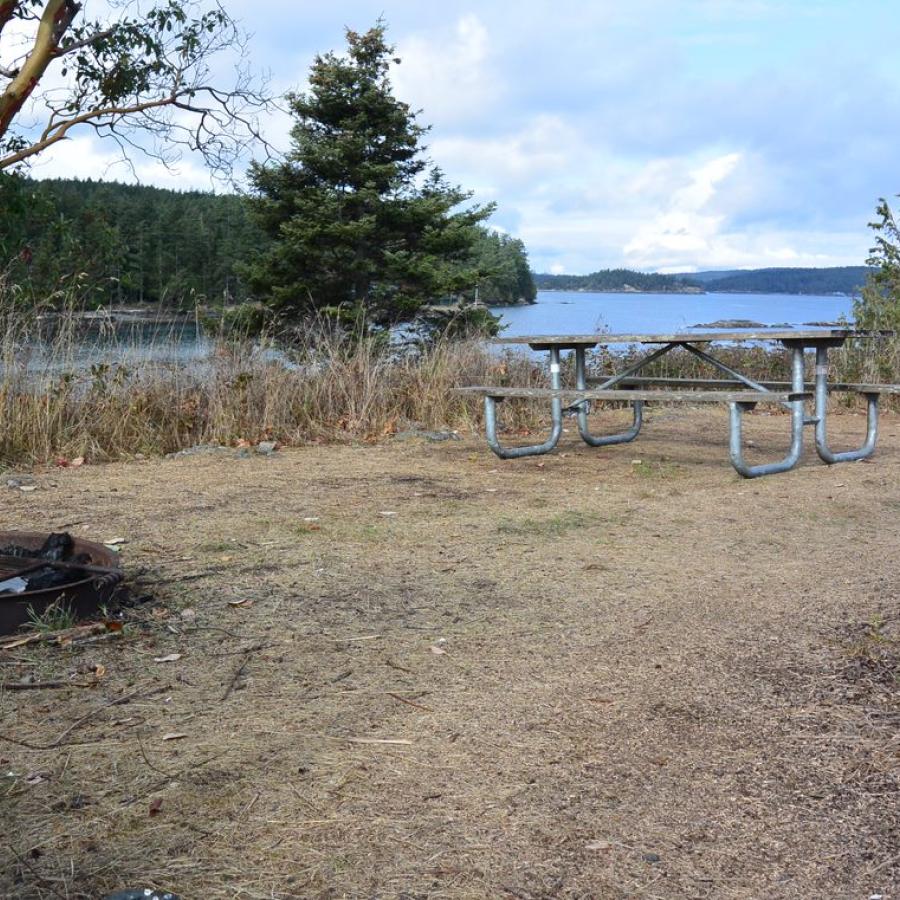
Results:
<point x="267" y="448"/>
<point x="651" y="857"/>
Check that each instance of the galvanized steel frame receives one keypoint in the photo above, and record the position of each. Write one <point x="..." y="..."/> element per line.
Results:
<point x="737" y="409"/>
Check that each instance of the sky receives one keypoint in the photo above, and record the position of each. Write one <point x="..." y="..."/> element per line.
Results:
<point x="659" y="135"/>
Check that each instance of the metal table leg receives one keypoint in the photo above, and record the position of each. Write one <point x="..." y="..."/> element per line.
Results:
<point x="827" y="455"/>
<point x="490" y="420"/>
<point x="584" y="407"/>
<point x="797" y="420"/>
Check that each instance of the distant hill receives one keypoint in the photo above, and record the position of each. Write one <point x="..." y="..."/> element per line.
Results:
<point x="835" y="280"/>
<point x="617" y="281"/>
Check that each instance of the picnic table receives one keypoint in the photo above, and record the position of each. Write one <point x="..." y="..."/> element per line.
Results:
<point x="740" y="392"/>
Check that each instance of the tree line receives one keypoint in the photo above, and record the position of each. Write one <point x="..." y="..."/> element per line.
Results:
<point x="354" y="221"/>
<point x="617" y="280"/>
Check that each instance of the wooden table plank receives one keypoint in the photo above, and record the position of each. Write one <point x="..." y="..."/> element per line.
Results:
<point x="544" y="341"/>
<point x="573" y="395"/>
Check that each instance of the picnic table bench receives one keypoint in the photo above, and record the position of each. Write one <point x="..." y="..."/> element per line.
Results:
<point x="629" y="386"/>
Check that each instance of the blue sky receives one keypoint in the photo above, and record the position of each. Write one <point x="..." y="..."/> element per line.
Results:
<point x="663" y="135"/>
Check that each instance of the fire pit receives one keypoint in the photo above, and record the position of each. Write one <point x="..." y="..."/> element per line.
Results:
<point x="63" y="570"/>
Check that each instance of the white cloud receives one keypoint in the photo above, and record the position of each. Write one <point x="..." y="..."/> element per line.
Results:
<point x="86" y="157"/>
<point x="449" y="77"/>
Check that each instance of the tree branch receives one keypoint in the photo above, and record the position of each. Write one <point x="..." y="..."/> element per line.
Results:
<point x="55" y="21"/>
<point x="84" y="42"/>
<point x="7" y="9"/>
<point x="53" y="135"/>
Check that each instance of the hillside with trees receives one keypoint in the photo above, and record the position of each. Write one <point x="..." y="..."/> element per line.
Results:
<point x="105" y="242"/>
<point x="618" y="281"/>
<point x="833" y="280"/>
<point x="109" y="243"/>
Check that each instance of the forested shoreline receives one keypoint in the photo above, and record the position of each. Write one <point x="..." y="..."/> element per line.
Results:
<point x="847" y="280"/>
<point x="124" y="244"/>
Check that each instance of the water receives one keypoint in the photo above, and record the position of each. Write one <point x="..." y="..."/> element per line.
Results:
<point x="556" y="312"/>
<point x="573" y="312"/>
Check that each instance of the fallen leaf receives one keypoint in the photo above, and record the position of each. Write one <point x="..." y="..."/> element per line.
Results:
<point x="34" y="778"/>
<point x="113" y="625"/>
<point x="114" y="542"/>
<point x="387" y="512"/>
<point x="240" y="604"/>
<point x="155" y="806"/>
<point x="226" y="558"/>
<point x="172" y="657"/>
<point x="78" y="461"/>
<point x="379" y="741"/>
<point x="62" y="462"/>
<point x="174" y="736"/>
<point x="27" y="488"/>
<point x="438" y="651"/>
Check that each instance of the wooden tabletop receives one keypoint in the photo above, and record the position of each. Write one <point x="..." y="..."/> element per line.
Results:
<point x="545" y="341"/>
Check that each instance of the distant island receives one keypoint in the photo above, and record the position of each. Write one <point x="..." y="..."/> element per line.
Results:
<point x="619" y="281"/>
<point x="835" y="280"/>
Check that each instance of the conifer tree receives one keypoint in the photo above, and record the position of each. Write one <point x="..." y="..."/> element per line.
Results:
<point x="361" y="221"/>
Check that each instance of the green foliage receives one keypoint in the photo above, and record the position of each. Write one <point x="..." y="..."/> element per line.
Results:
<point x="125" y="74"/>
<point x="457" y="322"/>
<point x="503" y="264"/>
<point x="615" y="280"/>
<point x="104" y="242"/>
<point x="879" y="304"/>
<point x="832" y="280"/>
<point x="358" y="218"/>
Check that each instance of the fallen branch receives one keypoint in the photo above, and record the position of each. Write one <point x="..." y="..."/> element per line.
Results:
<point x="237" y="674"/>
<point x="66" y="634"/>
<point x="54" y="744"/>
<point x="409" y="702"/>
<point x="37" y="685"/>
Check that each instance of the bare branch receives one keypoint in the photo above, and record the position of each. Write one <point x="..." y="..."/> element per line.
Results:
<point x="84" y="42"/>
<point x="61" y="130"/>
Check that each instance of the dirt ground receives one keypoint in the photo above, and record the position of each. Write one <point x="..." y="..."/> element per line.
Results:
<point x="413" y="670"/>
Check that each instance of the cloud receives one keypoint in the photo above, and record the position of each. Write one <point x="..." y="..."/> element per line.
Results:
<point x="86" y="157"/>
<point x="687" y="227"/>
<point x="448" y="76"/>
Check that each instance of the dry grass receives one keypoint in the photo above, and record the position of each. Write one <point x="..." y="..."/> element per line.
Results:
<point x="339" y="389"/>
<point x="674" y="687"/>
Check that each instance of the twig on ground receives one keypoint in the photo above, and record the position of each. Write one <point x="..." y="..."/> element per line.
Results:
<point x="54" y="744"/>
<point x="237" y="674"/>
<point x="409" y="702"/>
<point x="44" y="881"/>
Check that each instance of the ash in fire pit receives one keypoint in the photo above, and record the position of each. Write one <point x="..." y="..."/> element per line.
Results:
<point x="37" y="570"/>
<point x="35" y="577"/>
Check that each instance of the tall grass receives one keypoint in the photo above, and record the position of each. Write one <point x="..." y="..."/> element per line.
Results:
<point x="333" y="387"/>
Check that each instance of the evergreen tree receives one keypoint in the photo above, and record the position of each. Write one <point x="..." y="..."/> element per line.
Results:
<point x="360" y="220"/>
<point x="879" y="304"/>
